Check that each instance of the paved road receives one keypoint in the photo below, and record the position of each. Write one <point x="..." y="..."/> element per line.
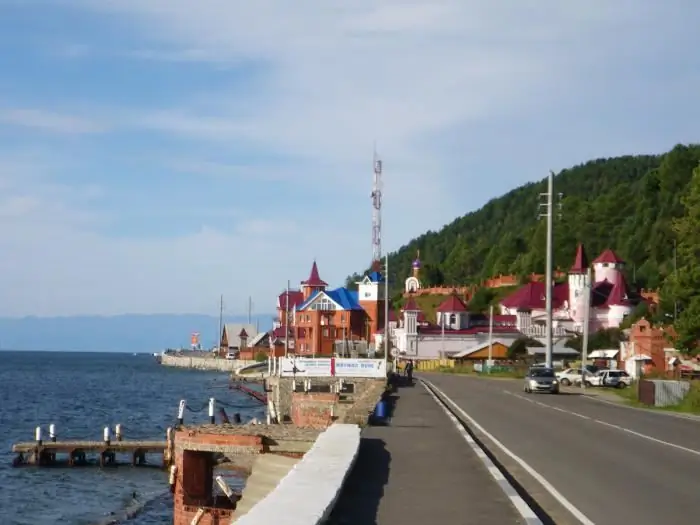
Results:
<point x="419" y="470"/>
<point x="612" y="463"/>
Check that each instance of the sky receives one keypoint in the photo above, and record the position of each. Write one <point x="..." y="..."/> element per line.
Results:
<point x="155" y="154"/>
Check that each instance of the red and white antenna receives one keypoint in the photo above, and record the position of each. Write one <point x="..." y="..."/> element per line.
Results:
<point x="377" y="210"/>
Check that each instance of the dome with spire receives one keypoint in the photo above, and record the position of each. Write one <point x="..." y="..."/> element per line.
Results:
<point x="416" y="263"/>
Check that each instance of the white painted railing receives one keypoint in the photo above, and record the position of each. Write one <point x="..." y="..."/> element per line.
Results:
<point x="307" y="494"/>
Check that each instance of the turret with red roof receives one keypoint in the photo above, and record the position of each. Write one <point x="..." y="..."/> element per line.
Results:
<point x="314" y="283"/>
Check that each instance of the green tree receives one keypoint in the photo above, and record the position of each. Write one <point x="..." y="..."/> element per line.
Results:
<point x="683" y="285"/>
<point x="518" y="348"/>
<point x="481" y="300"/>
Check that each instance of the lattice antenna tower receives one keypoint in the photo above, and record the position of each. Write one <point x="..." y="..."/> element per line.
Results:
<point x="377" y="210"/>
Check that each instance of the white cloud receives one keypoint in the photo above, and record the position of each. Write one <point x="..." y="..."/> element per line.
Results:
<point x="319" y="82"/>
<point x="49" y="121"/>
<point x="57" y="260"/>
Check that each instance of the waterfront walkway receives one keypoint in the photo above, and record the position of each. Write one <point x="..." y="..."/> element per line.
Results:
<point x="420" y="470"/>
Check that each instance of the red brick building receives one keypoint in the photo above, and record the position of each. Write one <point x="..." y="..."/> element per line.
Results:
<point x="320" y="318"/>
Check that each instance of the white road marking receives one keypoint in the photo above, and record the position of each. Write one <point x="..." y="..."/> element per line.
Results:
<point x="610" y="425"/>
<point x="518" y="502"/>
<point x="580" y="516"/>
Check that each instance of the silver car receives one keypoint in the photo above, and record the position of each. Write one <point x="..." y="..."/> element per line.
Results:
<point x="540" y="379"/>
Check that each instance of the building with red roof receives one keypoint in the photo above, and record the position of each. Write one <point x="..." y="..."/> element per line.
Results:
<point x="611" y="299"/>
<point x="315" y="320"/>
<point x="454" y="329"/>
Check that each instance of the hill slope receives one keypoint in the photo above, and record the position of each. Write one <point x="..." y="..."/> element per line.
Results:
<point x="625" y="203"/>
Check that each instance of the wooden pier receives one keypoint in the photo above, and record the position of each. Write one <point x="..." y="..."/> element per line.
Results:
<point x="83" y="453"/>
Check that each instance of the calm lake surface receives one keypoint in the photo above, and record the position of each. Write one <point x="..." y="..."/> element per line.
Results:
<point x="81" y="393"/>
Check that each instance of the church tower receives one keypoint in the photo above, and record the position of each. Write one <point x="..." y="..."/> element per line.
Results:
<point x="578" y="286"/>
<point x="410" y="326"/>
<point x="412" y="284"/>
<point x="371" y="299"/>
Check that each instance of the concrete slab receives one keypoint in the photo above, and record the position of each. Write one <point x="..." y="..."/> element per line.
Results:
<point x="268" y="470"/>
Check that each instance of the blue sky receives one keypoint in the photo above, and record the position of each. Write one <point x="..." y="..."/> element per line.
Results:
<point x="157" y="153"/>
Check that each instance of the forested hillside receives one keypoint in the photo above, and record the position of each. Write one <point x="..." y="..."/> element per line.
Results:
<point x="631" y="204"/>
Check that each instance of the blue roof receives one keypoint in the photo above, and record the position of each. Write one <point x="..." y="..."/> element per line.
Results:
<point x="347" y="299"/>
<point x="376" y="277"/>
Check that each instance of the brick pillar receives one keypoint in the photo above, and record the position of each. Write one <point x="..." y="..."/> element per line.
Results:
<point x="195" y="478"/>
<point x="313" y="409"/>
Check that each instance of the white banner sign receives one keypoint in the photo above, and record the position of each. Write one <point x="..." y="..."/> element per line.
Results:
<point x="305" y="367"/>
<point x="329" y="367"/>
<point x="360" y="368"/>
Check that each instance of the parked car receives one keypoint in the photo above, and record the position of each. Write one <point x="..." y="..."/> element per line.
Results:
<point x="572" y="376"/>
<point x="610" y="378"/>
<point x="540" y="379"/>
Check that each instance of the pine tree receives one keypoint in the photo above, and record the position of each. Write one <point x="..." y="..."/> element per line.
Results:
<point x="683" y="286"/>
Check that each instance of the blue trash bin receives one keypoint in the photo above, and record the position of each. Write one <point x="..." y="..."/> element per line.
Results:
<point x="379" y="416"/>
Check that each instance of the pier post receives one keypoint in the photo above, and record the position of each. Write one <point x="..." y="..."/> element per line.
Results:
<point x="173" y="478"/>
<point x="237" y="418"/>
<point x="37" y="436"/>
<point x="181" y="412"/>
<point x="52" y="432"/>
<point x="212" y="403"/>
<point x="106" y="436"/>
<point x="118" y="432"/>
<point x="168" y="453"/>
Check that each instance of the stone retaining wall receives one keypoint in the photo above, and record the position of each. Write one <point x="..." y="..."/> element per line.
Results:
<point x="204" y="363"/>
<point x="366" y="395"/>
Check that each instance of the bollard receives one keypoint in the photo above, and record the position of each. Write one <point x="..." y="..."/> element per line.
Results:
<point x="223" y="416"/>
<point x="237" y="418"/>
<point x="271" y="410"/>
<point x="118" y="431"/>
<point x="172" y="478"/>
<point x="52" y="432"/>
<point x="168" y="454"/>
<point x="37" y="436"/>
<point x="181" y="412"/>
<point x="212" y="403"/>
<point x="197" y="517"/>
<point x="226" y="489"/>
<point x="105" y="436"/>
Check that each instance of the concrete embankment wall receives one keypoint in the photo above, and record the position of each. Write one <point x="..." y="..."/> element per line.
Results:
<point x="204" y="363"/>
<point x="307" y="494"/>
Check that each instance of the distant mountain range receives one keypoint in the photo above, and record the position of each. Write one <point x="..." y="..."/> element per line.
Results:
<point x="120" y="333"/>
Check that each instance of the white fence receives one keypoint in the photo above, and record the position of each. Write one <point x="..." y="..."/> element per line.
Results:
<point x="327" y="367"/>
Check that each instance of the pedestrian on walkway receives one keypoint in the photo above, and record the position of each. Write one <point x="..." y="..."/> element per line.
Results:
<point x="409" y="371"/>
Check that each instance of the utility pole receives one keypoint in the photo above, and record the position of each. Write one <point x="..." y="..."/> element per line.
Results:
<point x="386" y="312"/>
<point x="586" y="325"/>
<point x="675" y="276"/>
<point x="548" y="205"/>
<point x="490" y="338"/>
<point x="286" y="322"/>
<point x="221" y="323"/>
<point x="442" y="336"/>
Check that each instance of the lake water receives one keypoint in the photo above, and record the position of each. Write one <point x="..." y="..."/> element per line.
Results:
<point x="81" y="393"/>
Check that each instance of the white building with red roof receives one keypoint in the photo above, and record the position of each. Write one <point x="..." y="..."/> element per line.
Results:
<point x="455" y="330"/>
<point x="611" y="299"/>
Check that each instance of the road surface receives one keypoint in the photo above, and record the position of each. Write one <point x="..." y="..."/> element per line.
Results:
<point x="609" y="464"/>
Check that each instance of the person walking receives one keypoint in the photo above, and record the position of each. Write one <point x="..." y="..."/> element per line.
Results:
<point x="409" y="371"/>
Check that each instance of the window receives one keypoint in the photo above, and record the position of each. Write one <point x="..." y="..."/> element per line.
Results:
<point x="323" y="304"/>
<point x="325" y="332"/>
